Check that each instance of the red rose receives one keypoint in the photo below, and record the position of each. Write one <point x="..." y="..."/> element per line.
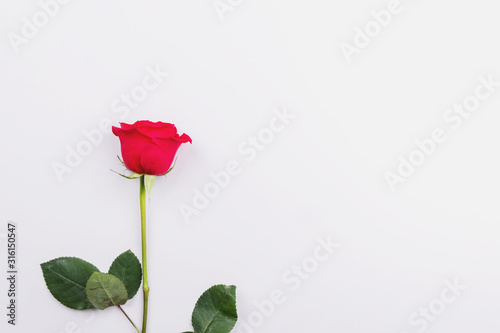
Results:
<point x="147" y="147"/>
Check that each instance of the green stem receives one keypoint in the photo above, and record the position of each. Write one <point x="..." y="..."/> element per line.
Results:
<point x="145" y="284"/>
<point x="119" y="307"/>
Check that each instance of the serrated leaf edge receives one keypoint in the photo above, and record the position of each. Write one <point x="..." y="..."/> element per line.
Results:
<point x="45" y="280"/>
<point x="218" y="311"/>
<point x="140" y="264"/>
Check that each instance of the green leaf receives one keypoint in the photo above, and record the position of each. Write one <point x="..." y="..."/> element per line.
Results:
<point x="127" y="268"/>
<point x="66" y="279"/>
<point x="215" y="311"/>
<point x="149" y="181"/>
<point x="105" y="290"/>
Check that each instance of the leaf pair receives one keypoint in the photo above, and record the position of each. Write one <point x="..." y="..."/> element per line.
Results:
<point x="215" y="311"/>
<point x="79" y="285"/>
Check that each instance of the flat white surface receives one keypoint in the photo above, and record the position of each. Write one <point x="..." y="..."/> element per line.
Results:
<point x="322" y="175"/>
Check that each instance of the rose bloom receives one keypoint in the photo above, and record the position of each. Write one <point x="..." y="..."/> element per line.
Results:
<point x="148" y="147"/>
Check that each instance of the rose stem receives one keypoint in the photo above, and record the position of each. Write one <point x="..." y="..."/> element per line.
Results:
<point x="145" y="284"/>
<point x="119" y="307"/>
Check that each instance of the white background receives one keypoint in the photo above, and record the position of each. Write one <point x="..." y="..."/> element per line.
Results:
<point x="323" y="175"/>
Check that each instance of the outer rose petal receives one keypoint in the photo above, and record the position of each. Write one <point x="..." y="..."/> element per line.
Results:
<point x="158" y="157"/>
<point x="126" y="126"/>
<point x="133" y="143"/>
<point x="183" y="138"/>
<point x="147" y="123"/>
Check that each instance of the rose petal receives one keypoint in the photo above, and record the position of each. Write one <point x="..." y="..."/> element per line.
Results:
<point x="183" y="138"/>
<point x="157" y="130"/>
<point x="158" y="157"/>
<point x="133" y="143"/>
<point x="126" y="126"/>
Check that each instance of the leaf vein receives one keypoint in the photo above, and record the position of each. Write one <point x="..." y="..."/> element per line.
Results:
<point x="216" y="313"/>
<point x="59" y="274"/>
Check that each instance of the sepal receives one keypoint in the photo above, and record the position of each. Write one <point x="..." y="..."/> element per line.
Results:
<point x="149" y="182"/>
